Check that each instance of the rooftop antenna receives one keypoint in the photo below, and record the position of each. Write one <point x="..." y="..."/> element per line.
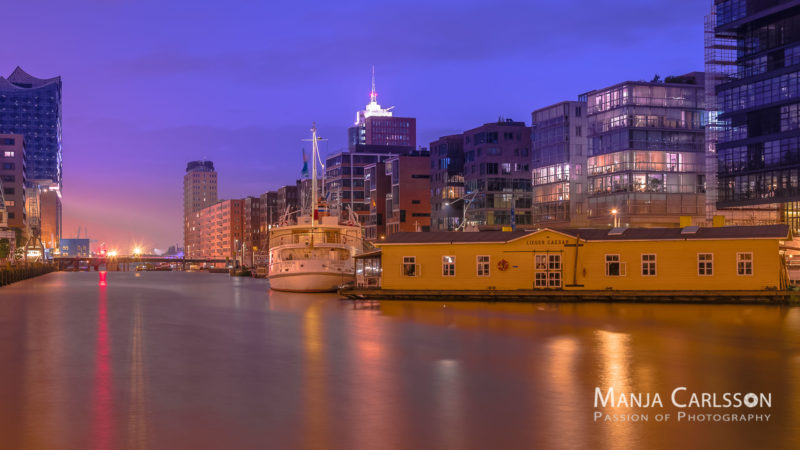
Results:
<point x="373" y="95"/>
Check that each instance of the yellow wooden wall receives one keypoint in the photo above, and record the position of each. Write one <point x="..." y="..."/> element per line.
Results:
<point x="676" y="264"/>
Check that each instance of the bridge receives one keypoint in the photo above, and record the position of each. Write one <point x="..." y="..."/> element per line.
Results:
<point x="124" y="263"/>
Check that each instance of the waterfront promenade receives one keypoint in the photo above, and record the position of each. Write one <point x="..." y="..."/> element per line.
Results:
<point x="198" y="360"/>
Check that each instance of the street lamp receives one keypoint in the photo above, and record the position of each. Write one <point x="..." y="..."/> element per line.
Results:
<point x="137" y="251"/>
<point x="614" y="213"/>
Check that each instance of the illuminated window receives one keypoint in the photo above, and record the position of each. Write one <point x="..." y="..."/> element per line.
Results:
<point x="448" y="266"/>
<point x="705" y="264"/>
<point x="744" y="263"/>
<point x="648" y="265"/>
<point x="8" y="154"/>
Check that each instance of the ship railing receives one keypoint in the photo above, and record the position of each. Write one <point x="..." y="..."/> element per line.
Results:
<point x="298" y="265"/>
<point x="320" y="238"/>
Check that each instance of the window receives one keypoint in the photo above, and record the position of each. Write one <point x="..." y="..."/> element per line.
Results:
<point x="483" y="266"/>
<point x="705" y="264"/>
<point x="554" y="271"/>
<point x="410" y="266"/>
<point x="648" y="265"/>
<point x="577" y="131"/>
<point x="448" y="266"/>
<point x="744" y="263"/>
<point x="614" y="268"/>
<point x="8" y="154"/>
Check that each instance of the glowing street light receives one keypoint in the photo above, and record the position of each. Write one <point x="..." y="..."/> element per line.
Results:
<point x="614" y="213"/>
<point x="137" y="251"/>
<point x="112" y="253"/>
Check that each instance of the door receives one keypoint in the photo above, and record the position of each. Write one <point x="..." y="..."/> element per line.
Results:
<point x="547" y="271"/>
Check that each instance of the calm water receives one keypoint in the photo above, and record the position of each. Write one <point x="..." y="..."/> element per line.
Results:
<point x="194" y="360"/>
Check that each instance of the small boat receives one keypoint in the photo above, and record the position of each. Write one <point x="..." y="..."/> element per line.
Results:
<point x="315" y="254"/>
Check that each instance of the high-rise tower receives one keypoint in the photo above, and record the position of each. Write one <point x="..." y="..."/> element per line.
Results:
<point x="199" y="191"/>
<point x="375" y="125"/>
<point x="31" y="107"/>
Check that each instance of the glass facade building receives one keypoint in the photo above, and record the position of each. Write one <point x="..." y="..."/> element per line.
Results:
<point x="758" y="152"/>
<point x="447" y="182"/>
<point x="559" y="164"/>
<point x="31" y="107"/>
<point x="646" y="152"/>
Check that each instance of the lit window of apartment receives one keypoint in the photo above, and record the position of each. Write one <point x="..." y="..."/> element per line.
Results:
<point x="648" y="265"/>
<point x="744" y="263"/>
<point x="448" y="266"/>
<point x="705" y="264"/>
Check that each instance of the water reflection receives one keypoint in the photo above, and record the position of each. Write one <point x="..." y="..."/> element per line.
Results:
<point x="102" y="404"/>
<point x="187" y="360"/>
<point x="315" y="399"/>
<point x="137" y="404"/>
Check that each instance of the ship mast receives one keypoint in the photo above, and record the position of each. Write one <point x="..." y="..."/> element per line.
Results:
<point x="314" y="156"/>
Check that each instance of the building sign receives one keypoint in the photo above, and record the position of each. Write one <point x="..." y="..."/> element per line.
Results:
<point x="547" y="241"/>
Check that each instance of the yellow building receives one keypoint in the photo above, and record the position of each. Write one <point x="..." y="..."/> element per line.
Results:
<point x="633" y="259"/>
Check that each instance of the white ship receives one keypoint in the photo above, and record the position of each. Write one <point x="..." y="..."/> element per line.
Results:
<point x="316" y="254"/>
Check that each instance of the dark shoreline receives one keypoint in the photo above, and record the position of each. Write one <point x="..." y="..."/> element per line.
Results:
<point x="10" y="275"/>
<point x="761" y="297"/>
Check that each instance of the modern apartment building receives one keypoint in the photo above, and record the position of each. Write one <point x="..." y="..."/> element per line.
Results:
<point x="31" y="107"/>
<point x="50" y="210"/>
<point x="559" y="149"/>
<point x="270" y="215"/>
<point x="216" y="231"/>
<point x="377" y="185"/>
<point x="252" y="212"/>
<point x="199" y="191"/>
<point x="758" y="155"/>
<point x="447" y="182"/>
<point x="410" y="198"/>
<point x="287" y="200"/>
<point x="646" y="165"/>
<point x="12" y="180"/>
<point x="344" y="177"/>
<point x="497" y="159"/>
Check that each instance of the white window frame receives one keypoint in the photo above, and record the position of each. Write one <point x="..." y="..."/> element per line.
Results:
<point x="622" y="271"/>
<point x="445" y="264"/>
<point x="646" y="263"/>
<point x="413" y="262"/>
<point x="710" y="261"/>
<point x="483" y="266"/>
<point x="738" y="254"/>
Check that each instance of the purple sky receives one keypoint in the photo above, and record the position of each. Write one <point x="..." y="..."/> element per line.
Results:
<point x="150" y="85"/>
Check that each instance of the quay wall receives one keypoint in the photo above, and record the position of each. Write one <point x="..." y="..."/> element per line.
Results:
<point x="12" y="274"/>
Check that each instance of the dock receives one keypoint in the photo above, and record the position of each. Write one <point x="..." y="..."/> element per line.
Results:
<point x="560" y="296"/>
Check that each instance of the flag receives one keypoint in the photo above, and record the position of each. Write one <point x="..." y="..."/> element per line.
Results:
<point x="304" y="172"/>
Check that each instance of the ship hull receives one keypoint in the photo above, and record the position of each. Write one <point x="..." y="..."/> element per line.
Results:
<point x="308" y="281"/>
